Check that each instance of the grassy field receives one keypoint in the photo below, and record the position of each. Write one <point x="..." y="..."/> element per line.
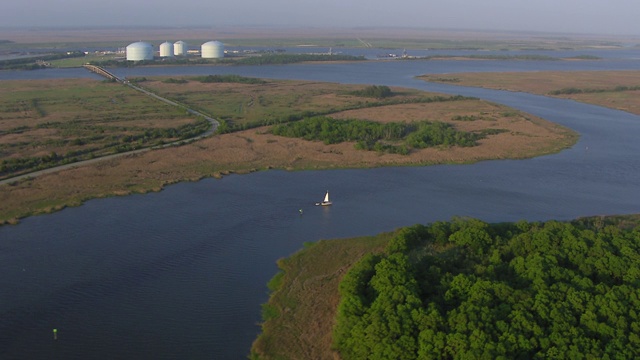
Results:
<point x="520" y="136"/>
<point x="305" y="296"/>
<point x="604" y="88"/>
<point x="44" y="123"/>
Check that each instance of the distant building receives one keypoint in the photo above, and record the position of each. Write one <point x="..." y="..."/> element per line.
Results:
<point x="139" y="51"/>
<point x="166" y="49"/>
<point x="180" y="48"/>
<point x="212" y="50"/>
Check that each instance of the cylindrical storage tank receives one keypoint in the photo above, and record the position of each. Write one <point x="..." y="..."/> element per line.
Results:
<point x="212" y="50"/>
<point x="139" y="51"/>
<point x="166" y="49"/>
<point x="180" y="48"/>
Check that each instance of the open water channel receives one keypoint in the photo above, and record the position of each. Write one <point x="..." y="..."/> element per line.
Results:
<point x="181" y="274"/>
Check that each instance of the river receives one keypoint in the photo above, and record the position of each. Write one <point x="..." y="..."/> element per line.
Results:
<point x="181" y="274"/>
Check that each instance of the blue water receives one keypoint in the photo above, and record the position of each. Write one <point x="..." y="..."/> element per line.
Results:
<point x="181" y="274"/>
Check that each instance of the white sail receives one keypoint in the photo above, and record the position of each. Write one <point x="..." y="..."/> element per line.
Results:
<point x="326" y="200"/>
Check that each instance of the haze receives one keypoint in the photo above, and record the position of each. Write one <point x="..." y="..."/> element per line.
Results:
<point x="613" y="17"/>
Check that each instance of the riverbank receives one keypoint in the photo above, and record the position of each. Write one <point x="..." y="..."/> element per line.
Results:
<point x="520" y="136"/>
<point x="299" y="317"/>
<point x="611" y="89"/>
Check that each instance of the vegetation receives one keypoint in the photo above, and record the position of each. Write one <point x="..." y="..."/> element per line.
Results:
<point x="46" y="124"/>
<point x="40" y="118"/>
<point x="305" y="292"/>
<point x="375" y="91"/>
<point x="496" y="57"/>
<point x="468" y="289"/>
<point x="613" y="89"/>
<point x="261" y="59"/>
<point x="281" y="59"/>
<point x="229" y="79"/>
<point x="114" y="144"/>
<point x="259" y="104"/>
<point x="37" y="62"/>
<point x="573" y="90"/>
<point x="371" y="135"/>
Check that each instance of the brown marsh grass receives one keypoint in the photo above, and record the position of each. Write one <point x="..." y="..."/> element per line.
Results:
<point x="255" y="149"/>
<point x="38" y="117"/>
<point x="545" y="82"/>
<point x="307" y="299"/>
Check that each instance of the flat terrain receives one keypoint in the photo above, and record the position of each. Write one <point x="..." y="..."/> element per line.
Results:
<point x="306" y="296"/>
<point x="604" y="88"/>
<point x="304" y="283"/>
<point x="44" y="122"/>
<point x="254" y="149"/>
<point x="388" y="37"/>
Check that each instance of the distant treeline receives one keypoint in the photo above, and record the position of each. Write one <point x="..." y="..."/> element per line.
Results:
<point x="391" y="137"/>
<point x="264" y="59"/>
<point x="279" y="59"/>
<point x="573" y="90"/>
<point x="470" y="290"/>
<point x="494" y="57"/>
<point x="36" y="62"/>
<point x="375" y="91"/>
<point x="229" y="79"/>
<point x="227" y="126"/>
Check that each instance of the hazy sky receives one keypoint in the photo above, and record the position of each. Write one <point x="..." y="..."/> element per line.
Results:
<point x="573" y="16"/>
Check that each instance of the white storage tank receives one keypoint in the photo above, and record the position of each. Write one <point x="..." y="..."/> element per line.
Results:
<point x="166" y="49"/>
<point x="140" y="50"/>
<point x="180" y="48"/>
<point x="212" y="50"/>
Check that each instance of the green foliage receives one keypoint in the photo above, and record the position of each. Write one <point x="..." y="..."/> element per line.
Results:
<point x="468" y="289"/>
<point x="275" y="282"/>
<point x="574" y="90"/>
<point x="37" y="62"/>
<point x="229" y="79"/>
<point x="175" y="81"/>
<point x="374" y="91"/>
<point x="369" y="135"/>
<point x="437" y="133"/>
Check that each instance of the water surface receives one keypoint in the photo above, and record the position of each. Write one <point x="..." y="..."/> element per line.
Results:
<point x="181" y="274"/>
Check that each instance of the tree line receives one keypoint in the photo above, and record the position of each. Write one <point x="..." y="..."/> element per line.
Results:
<point x="391" y="137"/>
<point x="37" y="62"/>
<point x="467" y="289"/>
<point x="574" y="90"/>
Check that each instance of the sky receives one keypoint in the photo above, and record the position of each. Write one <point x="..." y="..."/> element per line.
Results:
<point x="607" y="17"/>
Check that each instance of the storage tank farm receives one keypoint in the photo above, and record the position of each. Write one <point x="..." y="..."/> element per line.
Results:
<point x="212" y="50"/>
<point x="180" y="48"/>
<point x="166" y="49"/>
<point x="139" y="51"/>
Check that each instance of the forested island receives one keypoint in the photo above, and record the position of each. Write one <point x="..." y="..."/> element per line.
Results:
<point x="466" y="289"/>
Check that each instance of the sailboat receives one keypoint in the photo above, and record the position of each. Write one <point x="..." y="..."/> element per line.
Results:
<point x="326" y="201"/>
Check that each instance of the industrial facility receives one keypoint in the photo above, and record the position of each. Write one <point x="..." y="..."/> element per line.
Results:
<point x="139" y="51"/>
<point x="166" y="49"/>
<point x="180" y="48"/>
<point x="212" y="50"/>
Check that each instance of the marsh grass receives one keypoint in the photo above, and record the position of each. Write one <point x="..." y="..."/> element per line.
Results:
<point x="45" y="123"/>
<point x="239" y="152"/>
<point x="298" y="318"/>
<point x="612" y="89"/>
